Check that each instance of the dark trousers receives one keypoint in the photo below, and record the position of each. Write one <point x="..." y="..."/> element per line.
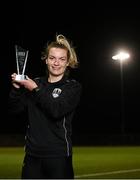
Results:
<point x="47" y="168"/>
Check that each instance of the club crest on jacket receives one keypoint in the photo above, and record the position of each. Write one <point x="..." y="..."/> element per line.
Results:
<point x="56" y="92"/>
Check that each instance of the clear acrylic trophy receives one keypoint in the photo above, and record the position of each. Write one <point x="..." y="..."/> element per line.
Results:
<point x="21" y="60"/>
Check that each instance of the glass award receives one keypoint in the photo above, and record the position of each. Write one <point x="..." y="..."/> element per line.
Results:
<point x="21" y="60"/>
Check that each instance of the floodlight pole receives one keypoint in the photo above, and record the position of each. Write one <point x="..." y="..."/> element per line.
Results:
<point x="121" y="57"/>
<point x="122" y="99"/>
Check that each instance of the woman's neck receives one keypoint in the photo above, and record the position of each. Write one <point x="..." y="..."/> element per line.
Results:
<point x="53" y="79"/>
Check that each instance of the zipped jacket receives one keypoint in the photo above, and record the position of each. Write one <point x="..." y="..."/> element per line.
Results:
<point x="50" y="112"/>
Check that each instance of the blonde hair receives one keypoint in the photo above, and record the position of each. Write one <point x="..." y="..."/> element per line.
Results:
<point x="62" y="42"/>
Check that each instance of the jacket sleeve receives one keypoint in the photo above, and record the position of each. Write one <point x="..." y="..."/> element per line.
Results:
<point x="59" y="106"/>
<point x="16" y="101"/>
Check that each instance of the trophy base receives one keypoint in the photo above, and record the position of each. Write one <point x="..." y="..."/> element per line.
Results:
<point x="20" y="77"/>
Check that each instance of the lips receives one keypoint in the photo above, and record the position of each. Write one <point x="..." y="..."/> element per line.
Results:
<point x="55" y="68"/>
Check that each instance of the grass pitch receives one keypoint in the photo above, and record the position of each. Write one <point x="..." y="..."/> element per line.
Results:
<point x="89" y="162"/>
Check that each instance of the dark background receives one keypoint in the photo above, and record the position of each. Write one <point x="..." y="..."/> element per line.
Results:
<point x="97" y="31"/>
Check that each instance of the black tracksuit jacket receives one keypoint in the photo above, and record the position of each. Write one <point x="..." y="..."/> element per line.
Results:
<point x="50" y="112"/>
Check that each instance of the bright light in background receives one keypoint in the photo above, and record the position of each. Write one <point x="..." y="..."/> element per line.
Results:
<point x="122" y="56"/>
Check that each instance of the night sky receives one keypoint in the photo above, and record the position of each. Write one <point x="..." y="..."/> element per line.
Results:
<point x="97" y="32"/>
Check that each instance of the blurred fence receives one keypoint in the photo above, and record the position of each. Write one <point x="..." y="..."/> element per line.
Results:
<point x="107" y="139"/>
<point x="80" y="139"/>
<point x="12" y="139"/>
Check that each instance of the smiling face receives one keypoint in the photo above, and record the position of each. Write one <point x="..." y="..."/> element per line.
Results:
<point x="57" y="62"/>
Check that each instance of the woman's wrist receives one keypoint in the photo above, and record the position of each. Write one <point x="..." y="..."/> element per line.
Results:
<point x="36" y="89"/>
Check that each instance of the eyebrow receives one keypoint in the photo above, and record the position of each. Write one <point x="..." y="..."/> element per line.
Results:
<point x="60" y="57"/>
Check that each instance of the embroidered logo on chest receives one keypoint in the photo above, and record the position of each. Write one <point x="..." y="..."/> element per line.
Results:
<point x="56" y="92"/>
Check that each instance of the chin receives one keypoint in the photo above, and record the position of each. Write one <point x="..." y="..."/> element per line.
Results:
<point x="57" y="73"/>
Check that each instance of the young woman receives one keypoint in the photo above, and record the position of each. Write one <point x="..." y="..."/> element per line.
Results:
<point x="50" y="102"/>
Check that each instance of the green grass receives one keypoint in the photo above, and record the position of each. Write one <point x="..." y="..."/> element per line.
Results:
<point x="95" y="162"/>
<point x="99" y="160"/>
<point x="11" y="162"/>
